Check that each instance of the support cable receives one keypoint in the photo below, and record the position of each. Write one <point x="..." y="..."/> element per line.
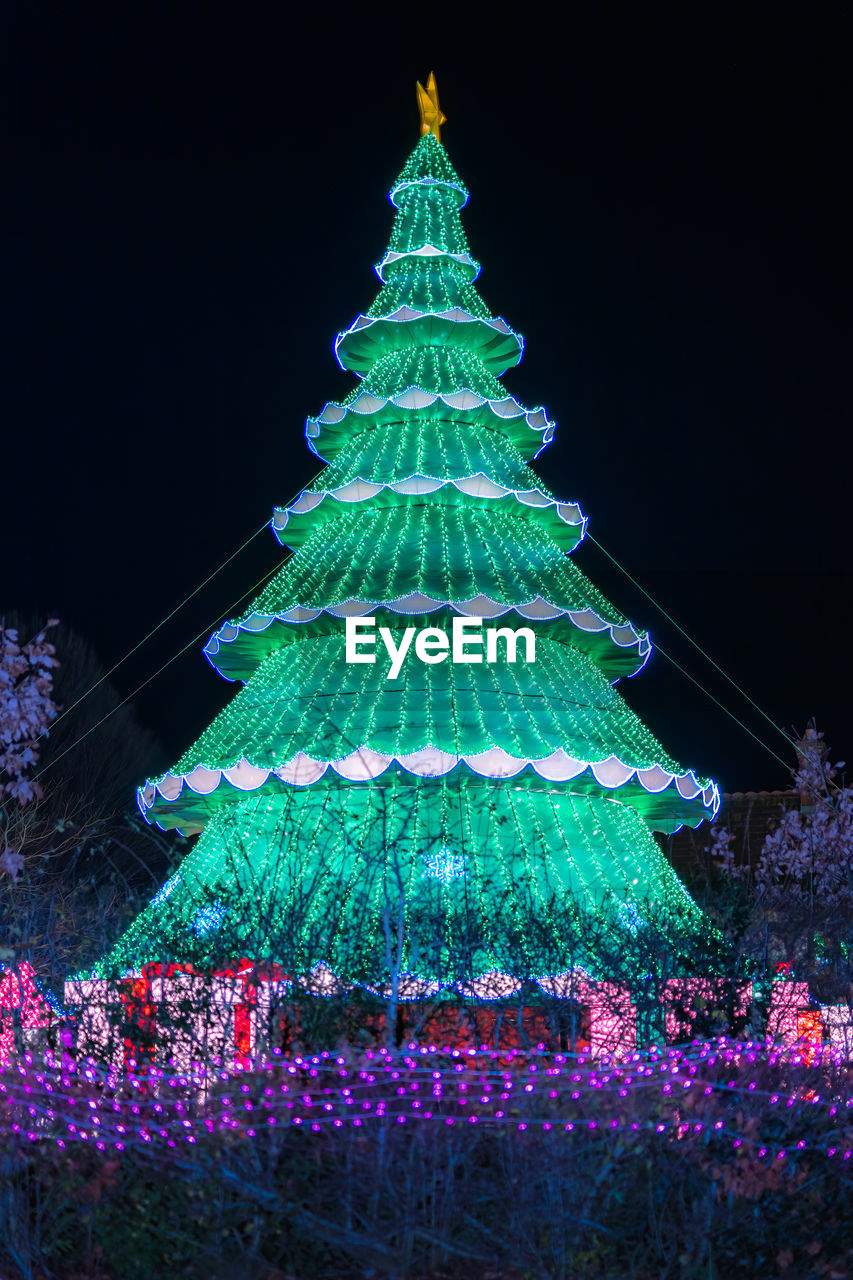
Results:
<point x="785" y="764"/>
<point x="205" y="630"/>
<point x="267" y="576"/>
<point x="695" y="644"/>
<point x="67" y="710"/>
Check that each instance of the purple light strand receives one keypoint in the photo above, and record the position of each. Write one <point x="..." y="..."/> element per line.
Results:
<point x="51" y="1101"/>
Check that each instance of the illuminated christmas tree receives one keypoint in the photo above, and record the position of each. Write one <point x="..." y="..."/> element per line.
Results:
<point x="393" y="796"/>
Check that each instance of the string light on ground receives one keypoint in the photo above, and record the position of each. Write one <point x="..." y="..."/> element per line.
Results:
<point x="698" y="1092"/>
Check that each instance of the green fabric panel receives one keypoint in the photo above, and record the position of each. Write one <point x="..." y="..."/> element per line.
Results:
<point x="429" y="160"/>
<point x="441" y="370"/>
<point x="428" y="215"/>
<point x="429" y="285"/>
<point x="450" y="553"/>
<point x="429" y="446"/>
<point x="306" y="697"/>
<point x="334" y="438"/>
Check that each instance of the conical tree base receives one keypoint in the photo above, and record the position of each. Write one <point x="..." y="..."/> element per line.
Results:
<point x="442" y="883"/>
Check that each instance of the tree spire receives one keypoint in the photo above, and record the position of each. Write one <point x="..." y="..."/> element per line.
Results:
<point x="432" y="116"/>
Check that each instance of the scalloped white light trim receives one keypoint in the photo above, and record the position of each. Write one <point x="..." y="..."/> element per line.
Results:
<point x="416" y="398"/>
<point x="364" y="764"/>
<point x="426" y="251"/>
<point x="475" y="486"/>
<point x="404" y="315"/>
<point x="416" y="603"/>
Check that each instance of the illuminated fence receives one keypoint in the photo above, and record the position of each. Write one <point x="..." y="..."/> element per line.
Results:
<point x="838" y="1024"/>
<point x="181" y="1016"/>
<point x="25" y="1013"/>
<point x="230" y="1016"/>
<point x="170" y="1013"/>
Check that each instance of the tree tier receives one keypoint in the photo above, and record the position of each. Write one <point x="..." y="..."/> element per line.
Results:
<point x="236" y="650"/>
<point x="307" y="709"/>
<point x="417" y="560"/>
<point x="449" y="383"/>
<point x="526" y="430"/>
<point x="443" y="371"/>
<point x="428" y="284"/>
<point x="450" y="552"/>
<point x="402" y="259"/>
<point x="482" y="882"/>
<point x="422" y="445"/>
<point x="428" y="172"/>
<point x="368" y="339"/>
<point x="666" y="802"/>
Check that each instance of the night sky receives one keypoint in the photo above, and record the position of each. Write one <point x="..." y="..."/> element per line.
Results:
<point x="195" y="197"/>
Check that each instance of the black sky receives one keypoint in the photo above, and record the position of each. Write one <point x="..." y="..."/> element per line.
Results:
<point x="195" y="196"/>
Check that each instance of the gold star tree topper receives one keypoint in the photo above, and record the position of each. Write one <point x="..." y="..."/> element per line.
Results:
<point x="432" y="116"/>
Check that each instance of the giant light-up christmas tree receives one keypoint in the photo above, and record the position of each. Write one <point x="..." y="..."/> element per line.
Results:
<point x="425" y="823"/>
